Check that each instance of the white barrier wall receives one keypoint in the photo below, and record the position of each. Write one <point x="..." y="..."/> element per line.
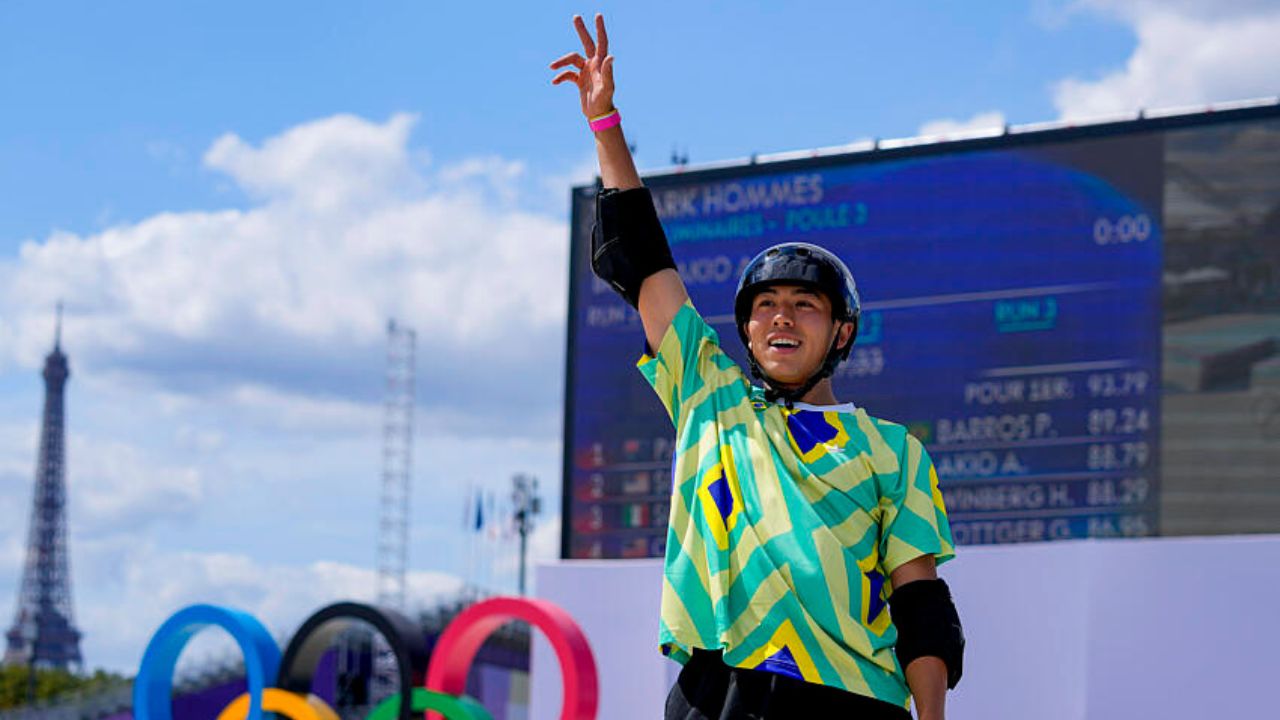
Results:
<point x="1124" y="629"/>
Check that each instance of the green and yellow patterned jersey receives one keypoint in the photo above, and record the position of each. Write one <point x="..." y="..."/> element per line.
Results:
<point x="786" y="523"/>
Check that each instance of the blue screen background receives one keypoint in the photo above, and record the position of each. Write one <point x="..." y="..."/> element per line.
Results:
<point x="1011" y="319"/>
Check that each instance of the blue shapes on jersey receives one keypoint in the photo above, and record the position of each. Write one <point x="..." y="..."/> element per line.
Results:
<point x="811" y="429"/>
<point x="875" y="605"/>
<point x="723" y="497"/>
<point x="782" y="663"/>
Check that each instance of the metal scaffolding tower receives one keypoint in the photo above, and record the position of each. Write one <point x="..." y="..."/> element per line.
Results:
<point x="393" y="522"/>
<point x="43" y="633"/>
<point x="366" y="666"/>
<point x="397" y="461"/>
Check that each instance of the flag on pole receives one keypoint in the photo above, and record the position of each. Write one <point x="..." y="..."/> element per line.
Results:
<point x="491" y="507"/>
<point x="466" y="509"/>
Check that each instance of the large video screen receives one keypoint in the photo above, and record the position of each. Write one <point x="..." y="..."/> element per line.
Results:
<point x="1049" y="316"/>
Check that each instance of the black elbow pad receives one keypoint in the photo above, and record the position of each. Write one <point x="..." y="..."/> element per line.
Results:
<point x="928" y="625"/>
<point x="627" y="242"/>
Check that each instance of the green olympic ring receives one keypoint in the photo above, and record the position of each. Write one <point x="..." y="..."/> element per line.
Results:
<point x="453" y="707"/>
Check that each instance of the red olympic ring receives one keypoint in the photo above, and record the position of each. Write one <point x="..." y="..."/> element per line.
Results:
<point x="468" y="631"/>
<point x="445" y="679"/>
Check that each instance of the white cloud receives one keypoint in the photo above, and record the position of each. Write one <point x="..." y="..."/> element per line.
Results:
<point x="326" y="165"/>
<point x="135" y="586"/>
<point x="114" y="490"/>
<point x="18" y="442"/>
<point x="488" y="174"/>
<point x="17" y="468"/>
<point x="1203" y="9"/>
<point x="1188" y="52"/>
<point x="228" y="370"/>
<point x="194" y="439"/>
<point x="500" y="571"/>
<point x="294" y="292"/>
<point x="290" y="411"/>
<point x="947" y="127"/>
<point x="117" y="486"/>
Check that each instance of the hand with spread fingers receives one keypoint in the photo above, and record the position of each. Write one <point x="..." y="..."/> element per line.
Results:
<point x="591" y="70"/>
<point x="640" y="265"/>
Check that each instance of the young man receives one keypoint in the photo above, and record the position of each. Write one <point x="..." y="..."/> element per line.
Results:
<point x="800" y="576"/>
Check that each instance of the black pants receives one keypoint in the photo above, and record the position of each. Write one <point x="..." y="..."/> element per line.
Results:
<point x="710" y="690"/>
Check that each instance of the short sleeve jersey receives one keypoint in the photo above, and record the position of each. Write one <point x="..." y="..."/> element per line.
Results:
<point x="786" y="524"/>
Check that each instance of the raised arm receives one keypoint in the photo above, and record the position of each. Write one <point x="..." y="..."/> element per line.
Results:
<point x="661" y="292"/>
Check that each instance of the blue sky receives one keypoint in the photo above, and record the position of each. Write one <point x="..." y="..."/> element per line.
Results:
<point x="111" y="108"/>
<point x="232" y="198"/>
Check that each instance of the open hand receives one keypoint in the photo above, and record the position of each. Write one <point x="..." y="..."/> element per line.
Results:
<point x="593" y="73"/>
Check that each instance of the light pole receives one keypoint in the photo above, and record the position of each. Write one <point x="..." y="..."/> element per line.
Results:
<point x="527" y="504"/>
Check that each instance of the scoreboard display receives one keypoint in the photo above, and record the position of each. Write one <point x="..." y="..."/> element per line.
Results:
<point x="1011" y="320"/>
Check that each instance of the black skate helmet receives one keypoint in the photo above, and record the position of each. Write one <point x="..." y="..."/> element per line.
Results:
<point x="797" y="263"/>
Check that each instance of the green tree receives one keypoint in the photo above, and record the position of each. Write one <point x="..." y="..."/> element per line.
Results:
<point x="15" y="684"/>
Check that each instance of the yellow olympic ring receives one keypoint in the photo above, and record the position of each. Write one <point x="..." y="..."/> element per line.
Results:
<point x="291" y="705"/>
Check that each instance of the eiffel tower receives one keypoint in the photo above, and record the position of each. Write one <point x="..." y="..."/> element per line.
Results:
<point x="43" y="633"/>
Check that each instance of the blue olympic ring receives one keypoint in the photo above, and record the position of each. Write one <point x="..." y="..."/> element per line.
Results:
<point x="153" y="685"/>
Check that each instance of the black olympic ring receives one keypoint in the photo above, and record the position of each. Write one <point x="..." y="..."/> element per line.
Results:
<point x="407" y="641"/>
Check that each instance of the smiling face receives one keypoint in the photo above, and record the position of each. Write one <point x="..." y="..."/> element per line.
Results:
<point x="790" y="331"/>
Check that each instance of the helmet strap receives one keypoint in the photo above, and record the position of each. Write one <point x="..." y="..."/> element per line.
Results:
<point x="789" y="396"/>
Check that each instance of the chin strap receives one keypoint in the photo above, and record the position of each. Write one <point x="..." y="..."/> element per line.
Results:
<point x="774" y="392"/>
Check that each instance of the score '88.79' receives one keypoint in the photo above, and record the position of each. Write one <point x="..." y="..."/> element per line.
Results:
<point x="1118" y="456"/>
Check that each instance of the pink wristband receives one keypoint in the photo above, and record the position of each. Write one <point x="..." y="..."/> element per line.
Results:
<point x="606" y="121"/>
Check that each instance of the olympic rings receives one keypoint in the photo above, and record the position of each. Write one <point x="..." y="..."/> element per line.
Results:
<point x="459" y="707"/>
<point x="445" y="678"/>
<point x="291" y="705"/>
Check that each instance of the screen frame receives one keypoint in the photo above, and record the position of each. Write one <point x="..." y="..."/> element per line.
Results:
<point x="582" y="201"/>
